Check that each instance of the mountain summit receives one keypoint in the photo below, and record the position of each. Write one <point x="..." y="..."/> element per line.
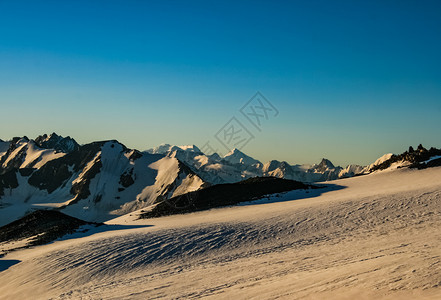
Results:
<point x="54" y="141"/>
<point x="236" y="156"/>
<point x="325" y="165"/>
<point x="93" y="182"/>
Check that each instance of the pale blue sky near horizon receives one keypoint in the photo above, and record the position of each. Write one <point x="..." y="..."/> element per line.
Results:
<point x="352" y="80"/>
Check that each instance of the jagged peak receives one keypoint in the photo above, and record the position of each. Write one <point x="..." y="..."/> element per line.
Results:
<point x="273" y="161"/>
<point x="192" y="148"/>
<point x="165" y="148"/>
<point x="271" y="165"/>
<point x="18" y="139"/>
<point x="214" y="156"/>
<point x="235" y="156"/>
<point x="326" y="163"/>
<point x="57" y="142"/>
<point x="46" y="137"/>
<point x="53" y="135"/>
<point x="234" y="151"/>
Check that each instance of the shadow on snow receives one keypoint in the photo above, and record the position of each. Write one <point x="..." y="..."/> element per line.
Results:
<point x="296" y="194"/>
<point x="7" y="263"/>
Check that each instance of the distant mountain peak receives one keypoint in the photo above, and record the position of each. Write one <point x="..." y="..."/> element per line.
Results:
<point x="214" y="156"/>
<point x="324" y="165"/>
<point x="234" y="151"/>
<point x="191" y="148"/>
<point x="57" y="142"/>
<point x="327" y="163"/>
<point x="235" y="156"/>
<point x="167" y="148"/>
<point x="271" y="165"/>
<point x="53" y="135"/>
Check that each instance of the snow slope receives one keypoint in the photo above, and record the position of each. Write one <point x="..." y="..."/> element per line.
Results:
<point x="368" y="237"/>
<point x="24" y="153"/>
<point x="379" y="161"/>
<point x="235" y="156"/>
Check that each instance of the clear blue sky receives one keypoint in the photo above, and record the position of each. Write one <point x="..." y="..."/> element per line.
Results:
<point x="351" y="79"/>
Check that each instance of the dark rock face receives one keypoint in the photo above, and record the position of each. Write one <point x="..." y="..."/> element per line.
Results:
<point x="49" y="225"/>
<point x="433" y="163"/>
<point x="135" y="155"/>
<point x="8" y="180"/>
<point x="3" y="145"/>
<point x="14" y="163"/>
<point x="81" y="189"/>
<point x="126" y="179"/>
<point x="223" y="195"/>
<point x="324" y="165"/>
<point x="54" y="141"/>
<point x="56" y="172"/>
<point x="25" y="172"/>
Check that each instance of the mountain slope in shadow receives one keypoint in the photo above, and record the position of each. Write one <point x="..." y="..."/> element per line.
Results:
<point x="40" y="227"/>
<point x="224" y="195"/>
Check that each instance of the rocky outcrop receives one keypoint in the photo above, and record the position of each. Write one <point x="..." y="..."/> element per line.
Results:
<point x="420" y="158"/>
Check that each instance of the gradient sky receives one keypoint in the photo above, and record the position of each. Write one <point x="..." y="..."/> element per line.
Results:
<point x="352" y="80"/>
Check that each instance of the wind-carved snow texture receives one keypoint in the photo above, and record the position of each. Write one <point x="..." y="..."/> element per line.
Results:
<point x="371" y="237"/>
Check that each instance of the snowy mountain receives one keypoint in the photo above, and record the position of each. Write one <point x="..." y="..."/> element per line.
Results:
<point x="93" y="182"/>
<point x="167" y="148"/>
<point x="351" y="170"/>
<point x="235" y="156"/>
<point x="236" y="165"/>
<point x="24" y="153"/>
<point x="324" y="165"/>
<point x="324" y="171"/>
<point x="379" y="161"/>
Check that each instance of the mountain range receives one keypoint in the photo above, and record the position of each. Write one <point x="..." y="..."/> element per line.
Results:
<point x="236" y="166"/>
<point x="93" y="182"/>
<point x="102" y="180"/>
